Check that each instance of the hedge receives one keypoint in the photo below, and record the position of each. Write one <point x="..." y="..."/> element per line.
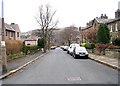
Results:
<point x="13" y="46"/>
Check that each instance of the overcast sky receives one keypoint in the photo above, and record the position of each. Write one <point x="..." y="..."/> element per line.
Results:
<point x="69" y="12"/>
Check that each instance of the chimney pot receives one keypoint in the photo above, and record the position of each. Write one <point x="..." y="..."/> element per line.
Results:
<point x="12" y="23"/>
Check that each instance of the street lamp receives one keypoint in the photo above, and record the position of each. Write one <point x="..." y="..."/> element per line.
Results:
<point x="3" y="47"/>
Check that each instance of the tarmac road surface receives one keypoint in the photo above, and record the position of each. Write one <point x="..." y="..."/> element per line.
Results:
<point x="58" y="67"/>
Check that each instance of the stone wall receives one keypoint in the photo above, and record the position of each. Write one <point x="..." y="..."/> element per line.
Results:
<point x="109" y="53"/>
<point x="113" y="53"/>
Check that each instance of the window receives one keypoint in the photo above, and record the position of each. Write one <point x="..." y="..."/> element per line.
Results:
<point x="95" y="25"/>
<point x="17" y="34"/>
<point x="116" y="29"/>
<point x="111" y="29"/>
<point x="28" y="44"/>
<point x="11" y="34"/>
<point x="6" y="33"/>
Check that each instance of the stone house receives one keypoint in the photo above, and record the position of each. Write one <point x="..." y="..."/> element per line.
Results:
<point x="113" y="25"/>
<point x="97" y="21"/>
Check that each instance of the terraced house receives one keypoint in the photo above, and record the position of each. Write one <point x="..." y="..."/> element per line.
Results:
<point x="12" y="31"/>
<point x="113" y="25"/>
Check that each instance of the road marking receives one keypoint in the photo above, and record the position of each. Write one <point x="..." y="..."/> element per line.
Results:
<point x="73" y="78"/>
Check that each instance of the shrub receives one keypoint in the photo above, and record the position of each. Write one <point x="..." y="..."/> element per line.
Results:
<point x="14" y="56"/>
<point x="32" y="48"/>
<point x="116" y="41"/>
<point x="103" y="34"/>
<point x="83" y="44"/>
<point x="101" y="47"/>
<point x="23" y="47"/>
<point x="90" y="46"/>
<point x="13" y="46"/>
<point x="112" y="47"/>
<point x="41" y="43"/>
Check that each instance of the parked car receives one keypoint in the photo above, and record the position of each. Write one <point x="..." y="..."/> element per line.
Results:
<point x="61" y="47"/>
<point x="79" y="52"/>
<point x="65" y="48"/>
<point x="53" y="47"/>
<point x="71" y="47"/>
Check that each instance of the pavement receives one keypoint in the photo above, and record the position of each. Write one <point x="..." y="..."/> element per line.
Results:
<point x="111" y="62"/>
<point x="19" y="64"/>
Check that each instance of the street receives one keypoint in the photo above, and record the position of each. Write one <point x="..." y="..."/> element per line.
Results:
<point x="58" y="67"/>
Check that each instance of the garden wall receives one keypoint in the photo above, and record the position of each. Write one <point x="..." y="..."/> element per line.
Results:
<point x="113" y="53"/>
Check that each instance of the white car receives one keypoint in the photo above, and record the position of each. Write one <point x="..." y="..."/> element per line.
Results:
<point x="80" y="52"/>
<point x="71" y="47"/>
<point x="53" y="47"/>
<point x="65" y="48"/>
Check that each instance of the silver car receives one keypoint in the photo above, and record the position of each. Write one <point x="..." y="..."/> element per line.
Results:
<point x="79" y="52"/>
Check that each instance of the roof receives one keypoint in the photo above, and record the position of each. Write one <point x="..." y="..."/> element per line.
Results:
<point x="8" y="27"/>
<point x="86" y="28"/>
<point x="15" y="27"/>
<point x="114" y="20"/>
<point x="118" y="10"/>
<point x="31" y="38"/>
<point x="99" y="20"/>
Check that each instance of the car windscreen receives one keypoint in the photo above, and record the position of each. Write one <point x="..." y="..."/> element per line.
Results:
<point x="80" y="48"/>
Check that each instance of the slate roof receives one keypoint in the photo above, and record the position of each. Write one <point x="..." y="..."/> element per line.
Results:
<point x="15" y="27"/>
<point x="8" y="27"/>
<point x="114" y="20"/>
<point x="99" y="20"/>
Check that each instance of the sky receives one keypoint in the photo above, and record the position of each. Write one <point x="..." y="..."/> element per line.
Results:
<point x="68" y="12"/>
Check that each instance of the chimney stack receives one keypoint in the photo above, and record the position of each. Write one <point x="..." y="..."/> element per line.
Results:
<point x="117" y="13"/>
<point x="12" y="23"/>
<point x="119" y="5"/>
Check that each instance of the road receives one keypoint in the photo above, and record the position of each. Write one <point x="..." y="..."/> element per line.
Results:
<point x="57" y="67"/>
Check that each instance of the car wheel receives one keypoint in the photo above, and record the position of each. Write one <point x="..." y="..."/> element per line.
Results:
<point x="87" y="57"/>
<point x="74" y="56"/>
<point x="67" y="52"/>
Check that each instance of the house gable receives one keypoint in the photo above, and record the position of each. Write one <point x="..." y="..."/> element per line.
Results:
<point x="17" y="30"/>
<point x="10" y="32"/>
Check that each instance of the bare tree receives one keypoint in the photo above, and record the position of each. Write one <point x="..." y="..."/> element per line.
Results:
<point x="69" y="34"/>
<point x="46" y="22"/>
<point x="90" y="35"/>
